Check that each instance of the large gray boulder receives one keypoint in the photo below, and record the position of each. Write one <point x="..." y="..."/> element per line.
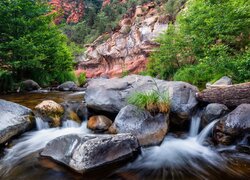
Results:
<point x="150" y="130"/>
<point x="87" y="152"/>
<point x="233" y="126"/>
<point x="111" y="94"/>
<point x="14" y="119"/>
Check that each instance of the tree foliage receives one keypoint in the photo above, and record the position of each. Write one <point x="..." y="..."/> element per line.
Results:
<point x="209" y="39"/>
<point x="31" y="46"/>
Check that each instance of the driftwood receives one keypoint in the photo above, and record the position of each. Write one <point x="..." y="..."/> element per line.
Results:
<point x="230" y="95"/>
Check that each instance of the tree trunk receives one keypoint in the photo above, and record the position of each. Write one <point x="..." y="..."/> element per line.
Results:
<point x="231" y="95"/>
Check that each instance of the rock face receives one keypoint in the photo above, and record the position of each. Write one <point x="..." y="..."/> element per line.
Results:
<point x="72" y="10"/>
<point x="14" y="119"/>
<point x="213" y="111"/>
<point x="127" y="49"/>
<point x="233" y="126"/>
<point x="150" y="130"/>
<point x="29" y="85"/>
<point x="111" y="94"/>
<point x="50" y="111"/>
<point x="86" y="152"/>
<point x="99" y="123"/>
<point x="67" y="86"/>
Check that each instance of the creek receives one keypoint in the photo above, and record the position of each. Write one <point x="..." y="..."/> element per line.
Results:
<point x="185" y="155"/>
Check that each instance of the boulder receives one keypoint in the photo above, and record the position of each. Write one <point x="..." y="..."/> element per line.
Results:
<point x="224" y="81"/>
<point x="87" y="152"/>
<point x="233" y="126"/>
<point x="50" y="111"/>
<point x="150" y="130"/>
<point x="29" y="85"/>
<point x="111" y="95"/>
<point x="213" y="111"/>
<point x="14" y="119"/>
<point x="68" y="86"/>
<point x="99" y="123"/>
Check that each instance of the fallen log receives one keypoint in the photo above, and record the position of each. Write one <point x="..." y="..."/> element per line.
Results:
<point x="230" y="95"/>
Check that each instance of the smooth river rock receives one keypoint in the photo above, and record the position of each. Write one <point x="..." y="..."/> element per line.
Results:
<point x="14" y="119"/>
<point x="99" y="123"/>
<point x="233" y="126"/>
<point x="29" y="85"/>
<point x="67" y="86"/>
<point x="87" y="152"/>
<point x="50" y="111"/>
<point x="213" y="111"/>
<point x="111" y="95"/>
<point x="150" y="130"/>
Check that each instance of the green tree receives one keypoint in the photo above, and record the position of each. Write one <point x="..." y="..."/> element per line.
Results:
<point x="210" y="38"/>
<point x="31" y="45"/>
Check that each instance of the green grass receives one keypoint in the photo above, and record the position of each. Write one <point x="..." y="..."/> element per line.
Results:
<point x="152" y="101"/>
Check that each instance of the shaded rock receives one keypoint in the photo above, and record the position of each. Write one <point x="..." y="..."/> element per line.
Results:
<point x="149" y="130"/>
<point x="87" y="152"/>
<point x="99" y="123"/>
<point x="29" y="85"/>
<point x="233" y="126"/>
<point x="14" y="119"/>
<point x="111" y="94"/>
<point x="68" y="86"/>
<point x="213" y="111"/>
<point x="50" y="111"/>
<point x="75" y="108"/>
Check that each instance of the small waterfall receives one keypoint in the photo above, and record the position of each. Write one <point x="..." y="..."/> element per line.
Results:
<point x="195" y="124"/>
<point x="40" y="124"/>
<point x="204" y="133"/>
<point x="34" y="141"/>
<point x="70" y="123"/>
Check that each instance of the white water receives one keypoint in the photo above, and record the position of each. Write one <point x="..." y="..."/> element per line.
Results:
<point x="175" y="154"/>
<point x="195" y="124"/>
<point x="34" y="141"/>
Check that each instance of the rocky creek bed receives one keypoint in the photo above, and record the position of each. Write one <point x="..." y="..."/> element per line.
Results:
<point x="68" y="139"/>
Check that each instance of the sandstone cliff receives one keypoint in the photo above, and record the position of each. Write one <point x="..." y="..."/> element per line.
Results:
<point x="126" y="50"/>
<point x="71" y="10"/>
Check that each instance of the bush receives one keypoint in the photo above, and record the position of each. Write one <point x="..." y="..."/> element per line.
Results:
<point x="152" y="101"/>
<point x="209" y="39"/>
<point x="81" y="79"/>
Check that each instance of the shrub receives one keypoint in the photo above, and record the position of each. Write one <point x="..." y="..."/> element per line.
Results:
<point x="152" y="101"/>
<point x="81" y="79"/>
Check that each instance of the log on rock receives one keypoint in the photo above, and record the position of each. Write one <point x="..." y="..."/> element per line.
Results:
<point x="231" y="95"/>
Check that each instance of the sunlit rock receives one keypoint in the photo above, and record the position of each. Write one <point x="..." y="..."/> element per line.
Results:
<point x="99" y="123"/>
<point x="50" y="111"/>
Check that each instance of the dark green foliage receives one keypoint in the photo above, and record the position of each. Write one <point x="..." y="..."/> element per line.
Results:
<point x="31" y="46"/>
<point x="209" y="39"/>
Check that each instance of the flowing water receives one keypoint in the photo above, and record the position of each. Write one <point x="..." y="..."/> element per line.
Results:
<point x="178" y="157"/>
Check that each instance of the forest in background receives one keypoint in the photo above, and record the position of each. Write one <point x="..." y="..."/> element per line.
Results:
<point x="207" y="39"/>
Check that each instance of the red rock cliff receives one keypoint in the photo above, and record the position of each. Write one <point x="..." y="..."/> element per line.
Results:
<point x="71" y="10"/>
<point x="127" y="49"/>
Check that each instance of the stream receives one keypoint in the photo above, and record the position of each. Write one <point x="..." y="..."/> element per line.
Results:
<point x="185" y="155"/>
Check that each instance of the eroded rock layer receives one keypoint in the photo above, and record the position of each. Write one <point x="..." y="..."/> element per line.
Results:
<point x="126" y="50"/>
